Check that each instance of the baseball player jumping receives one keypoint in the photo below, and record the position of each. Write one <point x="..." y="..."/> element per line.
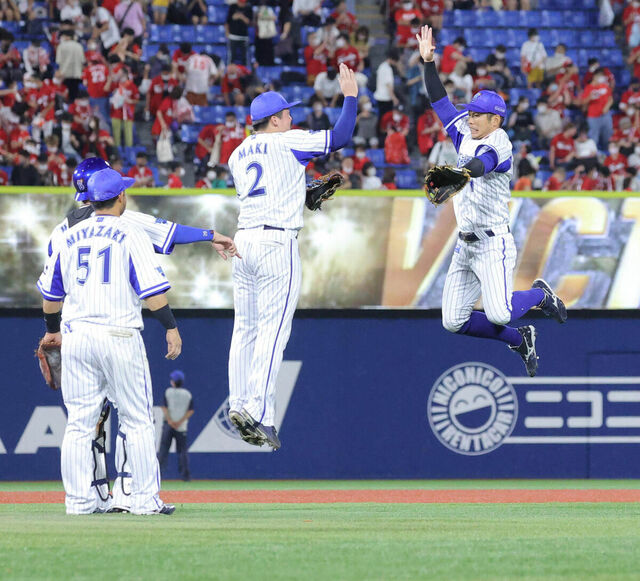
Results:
<point x="268" y="170"/>
<point x="164" y="235"/>
<point x="102" y="268"/>
<point x="485" y="256"/>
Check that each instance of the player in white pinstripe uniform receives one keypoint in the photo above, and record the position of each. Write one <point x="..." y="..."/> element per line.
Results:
<point x="268" y="170"/>
<point x="102" y="268"/>
<point x="485" y="256"/>
<point x="164" y="235"/>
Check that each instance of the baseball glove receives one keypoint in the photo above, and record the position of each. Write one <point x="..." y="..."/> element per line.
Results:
<point x="50" y="361"/>
<point x="321" y="189"/>
<point x="442" y="182"/>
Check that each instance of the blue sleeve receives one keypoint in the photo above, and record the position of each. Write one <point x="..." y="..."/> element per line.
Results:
<point x="449" y="115"/>
<point x="187" y="235"/>
<point x="346" y="123"/>
<point x="488" y="156"/>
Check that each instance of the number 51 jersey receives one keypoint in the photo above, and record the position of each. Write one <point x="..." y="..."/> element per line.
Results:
<point x="102" y="268"/>
<point x="268" y="171"/>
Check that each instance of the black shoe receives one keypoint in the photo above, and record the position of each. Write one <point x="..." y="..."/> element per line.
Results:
<point x="527" y="349"/>
<point x="166" y="509"/>
<point x="244" y="424"/>
<point x="552" y="305"/>
<point x="255" y="430"/>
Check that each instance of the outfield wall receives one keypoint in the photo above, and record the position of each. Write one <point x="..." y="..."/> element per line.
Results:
<point x="375" y="394"/>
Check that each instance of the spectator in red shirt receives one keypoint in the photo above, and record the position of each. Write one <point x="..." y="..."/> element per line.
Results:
<point x="181" y="56"/>
<point x="405" y="14"/>
<point x="165" y="115"/>
<point x="174" y="180"/>
<point x="630" y="99"/>
<point x="230" y="135"/>
<point x="160" y="86"/>
<point x="395" y="148"/>
<point x="631" y="16"/>
<point x="597" y="98"/>
<point x="597" y="179"/>
<point x="315" y="57"/>
<point x="395" y="120"/>
<point x="563" y="147"/>
<point x="4" y="178"/>
<point x="141" y="173"/>
<point x="123" y="102"/>
<point x="127" y="51"/>
<point x="389" y="179"/>
<point x="82" y="113"/>
<point x="360" y="158"/>
<point x="433" y="11"/>
<point x="556" y="180"/>
<point x="428" y="127"/>
<point x="594" y="65"/>
<point x="204" y="145"/>
<point x="451" y="54"/>
<point x="616" y="164"/>
<point x="345" y="21"/>
<point x="347" y="54"/>
<point x="96" y="76"/>
<point x="234" y="78"/>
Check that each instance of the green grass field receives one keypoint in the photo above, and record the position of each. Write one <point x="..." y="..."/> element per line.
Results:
<point x="328" y="541"/>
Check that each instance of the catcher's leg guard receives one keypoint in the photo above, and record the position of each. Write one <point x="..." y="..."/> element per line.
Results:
<point x="122" y="482"/>
<point x="98" y="447"/>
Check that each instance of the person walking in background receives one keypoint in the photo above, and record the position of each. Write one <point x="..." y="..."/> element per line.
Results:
<point x="177" y="409"/>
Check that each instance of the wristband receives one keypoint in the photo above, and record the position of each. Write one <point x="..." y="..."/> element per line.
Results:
<point x="165" y="316"/>
<point x="52" y="322"/>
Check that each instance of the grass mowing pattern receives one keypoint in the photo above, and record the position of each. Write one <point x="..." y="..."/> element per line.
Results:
<point x="345" y="542"/>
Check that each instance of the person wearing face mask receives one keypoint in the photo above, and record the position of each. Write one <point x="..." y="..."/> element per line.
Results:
<point x="498" y="68"/>
<point x="395" y="120"/>
<point x="315" y="57"/>
<point x="366" y="132"/>
<point x="597" y="99"/>
<point x="548" y="123"/>
<point x="141" y="172"/>
<point x="482" y="79"/>
<point x="201" y="73"/>
<point x="345" y="20"/>
<point x="24" y="173"/>
<point x="557" y="62"/>
<point x="593" y="66"/>
<point x="532" y="59"/>
<point x="521" y="122"/>
<point x="234" y="79"/>
<point x="617" y="165"/>
<point x="211" y="181"/>
<point x="360" y="158"/>
<point x="370" y="181"/>
<point x="308" y="12"/>
<point x="347" y="54"/>
<point x="163" y="83"/>
<point x="123" y="101"/>
<point x="362" y="44"/>
<point x="174" y="179"/>
<point x="82" y="114"/>
<point x="231" y="135"/>
<point x="318" y="120"/>
<point x="404" y="15"/>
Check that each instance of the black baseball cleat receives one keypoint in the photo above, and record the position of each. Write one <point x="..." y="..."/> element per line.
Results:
<point x="527" y="349"/>
<point x="552" y="305"/>
<point x="244" y="424"/>
<point x="166" y="509"/>
<point x="254" y="429"/>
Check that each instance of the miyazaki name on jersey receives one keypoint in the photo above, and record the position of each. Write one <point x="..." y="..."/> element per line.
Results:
<point x="254" y="149"/>
<point x="95" y="232"/>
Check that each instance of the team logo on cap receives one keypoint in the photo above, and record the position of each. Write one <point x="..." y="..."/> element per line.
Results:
<point x="81" y="185"/>
<point x="472" y="408"/>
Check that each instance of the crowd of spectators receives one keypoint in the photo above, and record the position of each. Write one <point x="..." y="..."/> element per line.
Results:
<point x="82" y="87"/>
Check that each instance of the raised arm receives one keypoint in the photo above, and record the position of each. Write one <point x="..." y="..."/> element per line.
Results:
<point x="346" y="122"/>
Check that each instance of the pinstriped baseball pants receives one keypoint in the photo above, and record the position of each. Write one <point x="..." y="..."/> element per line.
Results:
<point x="479" y="268"/>
<point x="266" y="287"/>
<point x="99" y="361"/>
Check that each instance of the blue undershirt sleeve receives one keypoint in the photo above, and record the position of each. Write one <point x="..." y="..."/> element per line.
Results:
<point x="346" y="123"/>
<point x="187" y="235"/>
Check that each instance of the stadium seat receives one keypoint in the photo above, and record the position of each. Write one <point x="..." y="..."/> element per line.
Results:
<point x="189" y="133"/>
<point x="406" y="179"/>
<point x="333" y="113"/>
<point x="478" y="54"/>
<point x="464" y="18"/>
<point x="269" y="74"/>
<point x="376" y="156"/>
<point x="217" y="14"/>
<point x="299" y="114"/>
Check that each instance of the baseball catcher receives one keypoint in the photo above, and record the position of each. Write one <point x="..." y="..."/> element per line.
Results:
<point x="442" y="182"/>
<point x="50" y="361"/>
<point x="321" y="189"/>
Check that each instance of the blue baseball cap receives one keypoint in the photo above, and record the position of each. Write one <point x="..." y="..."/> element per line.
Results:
<point x="106" y="184"/>
<point x="268" y="104"/>
<point x="487" y="102"/>
<point x="176" y="376"/>
<point x="85" y="169"/>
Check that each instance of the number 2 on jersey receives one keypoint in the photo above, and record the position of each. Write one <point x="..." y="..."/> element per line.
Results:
<point x="255" y="190"/>
<point x="83" y="264"/>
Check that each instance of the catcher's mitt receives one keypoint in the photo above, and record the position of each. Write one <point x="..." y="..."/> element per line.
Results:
<point x="442" y="182"/>
<point x="50" y="361"/>
<point x="321" y="189"/>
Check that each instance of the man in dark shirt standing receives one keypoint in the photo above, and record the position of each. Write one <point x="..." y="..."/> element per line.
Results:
<point x="236" y="29"/>
<point x="25" y="173"/>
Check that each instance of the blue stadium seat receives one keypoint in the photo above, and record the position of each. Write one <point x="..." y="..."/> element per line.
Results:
<point x="511" y="18"/>
<point x="487" y="18"/>
<point x="297" y="93"/>
<point x="530" y="19"/>
<point x="333" y="113"/>
<point x="446" y="36"/>
<point x="406" y="179"/>
<point x="464" y="18"/>
<point x="376" y="156"/>
<point x="269" y="74"/>
<point x="189" y="133"/>
<point x="607" y="38"/>
<point x="569" y="37"/>
<point x="588" y="38"/>
<point x="11" y="26"/>
<point x="447" y="19"/>
<point x="299" y="114"/>
<point x="7" y="168"/>
<point x="543" y="175"/>
<point x="217" y="13"/>
<point x="478" y="54"/>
